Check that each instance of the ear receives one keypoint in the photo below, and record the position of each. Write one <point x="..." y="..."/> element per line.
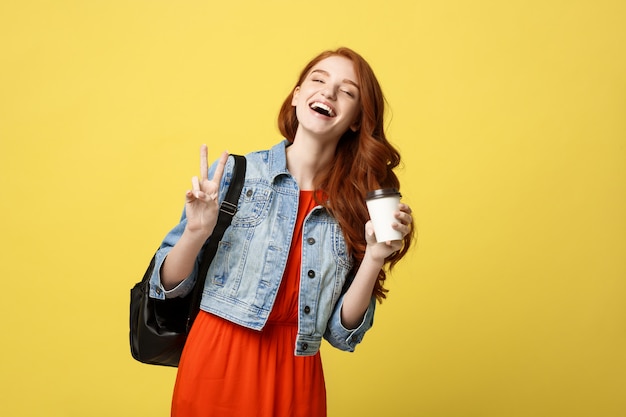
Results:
<point x="294" y="99"/>
<point x="356" y="125"/>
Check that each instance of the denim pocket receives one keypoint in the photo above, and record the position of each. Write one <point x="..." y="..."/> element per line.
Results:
<point x="254" y="205"/>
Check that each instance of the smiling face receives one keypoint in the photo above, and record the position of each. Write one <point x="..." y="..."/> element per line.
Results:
<point x="328" y="101"/>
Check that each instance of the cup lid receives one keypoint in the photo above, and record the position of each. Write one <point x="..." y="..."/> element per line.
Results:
<point x="383" y="192"/>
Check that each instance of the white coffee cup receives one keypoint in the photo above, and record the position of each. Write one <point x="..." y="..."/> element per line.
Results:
<point x="382" y="204"/>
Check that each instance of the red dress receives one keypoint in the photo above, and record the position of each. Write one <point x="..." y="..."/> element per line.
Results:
<point x="229" y="370"/>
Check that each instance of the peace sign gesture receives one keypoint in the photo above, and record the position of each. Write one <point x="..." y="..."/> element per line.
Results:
<point x="201" y="204"/>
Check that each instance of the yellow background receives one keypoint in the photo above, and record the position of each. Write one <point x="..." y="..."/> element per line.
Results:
<point x="511" y="118"/>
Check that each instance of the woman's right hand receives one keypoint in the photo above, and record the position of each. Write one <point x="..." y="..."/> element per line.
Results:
<point x="201" y="205"/>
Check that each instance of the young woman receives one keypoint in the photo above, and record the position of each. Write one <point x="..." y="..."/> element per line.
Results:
<point x="300" y="261"/>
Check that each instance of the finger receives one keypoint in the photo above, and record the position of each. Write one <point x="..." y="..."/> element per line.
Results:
<point x="405" y="208"/>
<point x="370" y="237"/>
<point x="404" y="222"/>
<point x="402" y="212"/>
<point x="369" y="228"/>
<point x="219" y="169"/>
<point x="195" y="187"/>
<point x="404" y="217"/>
<point x="204" y="162"/>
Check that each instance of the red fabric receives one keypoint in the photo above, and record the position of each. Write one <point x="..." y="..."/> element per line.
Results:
<point x="229" y="370"/>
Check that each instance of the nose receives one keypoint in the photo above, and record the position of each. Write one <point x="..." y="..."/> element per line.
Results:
<point x="329" y="93"/>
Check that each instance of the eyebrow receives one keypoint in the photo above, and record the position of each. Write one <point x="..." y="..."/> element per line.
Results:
<point x="345" y="80"/>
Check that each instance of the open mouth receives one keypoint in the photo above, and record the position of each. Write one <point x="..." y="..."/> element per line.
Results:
<point x="322" y="109"/>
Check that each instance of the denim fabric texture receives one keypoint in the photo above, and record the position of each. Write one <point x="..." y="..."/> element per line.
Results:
<point x="243" y="280"/>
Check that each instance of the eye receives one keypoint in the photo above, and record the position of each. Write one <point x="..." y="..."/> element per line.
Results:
<point x="349" y="93"/>
<point x="317" y="80"/>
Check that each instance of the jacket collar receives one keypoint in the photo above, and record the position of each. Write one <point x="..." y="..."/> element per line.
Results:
<point x="277" y="163"/>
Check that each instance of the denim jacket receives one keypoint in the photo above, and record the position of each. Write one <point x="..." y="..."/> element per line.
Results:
<point x="244" y="277"/>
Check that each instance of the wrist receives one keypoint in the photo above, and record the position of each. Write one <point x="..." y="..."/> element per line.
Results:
<point x="195" y="235"/>
<point x="372" y="258"/>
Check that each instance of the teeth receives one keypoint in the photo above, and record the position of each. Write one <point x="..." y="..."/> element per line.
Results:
<point x="321" y="106"/>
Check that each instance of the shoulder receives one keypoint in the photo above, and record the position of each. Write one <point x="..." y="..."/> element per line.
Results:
<point x="277" y="152"/>
<point x="269" y="162"/>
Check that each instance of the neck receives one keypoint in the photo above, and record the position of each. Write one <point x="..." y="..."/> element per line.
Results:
<point x="306" y="159"/>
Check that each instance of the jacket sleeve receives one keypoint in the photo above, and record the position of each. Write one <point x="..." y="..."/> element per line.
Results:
<point x="340" y="337"/>
<point x="185" y="286"/>
<point x="156" y="287"/>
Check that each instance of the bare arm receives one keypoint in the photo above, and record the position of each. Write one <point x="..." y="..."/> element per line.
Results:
<point x="201" y="208"/>
<point x="359" y="294"/>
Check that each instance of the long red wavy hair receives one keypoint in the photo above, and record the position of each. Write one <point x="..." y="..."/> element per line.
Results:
<point x="364" y="161"/>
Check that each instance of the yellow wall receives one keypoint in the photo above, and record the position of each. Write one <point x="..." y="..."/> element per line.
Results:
<point x="511" y="117"/>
